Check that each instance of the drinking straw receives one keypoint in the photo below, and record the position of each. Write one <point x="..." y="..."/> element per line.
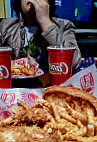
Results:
<point x="61" y="33"/>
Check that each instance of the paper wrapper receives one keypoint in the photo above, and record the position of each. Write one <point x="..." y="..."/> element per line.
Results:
<point x="30" y="61"/>
<point x="8" y="99"/>
<point x="85" y="80"/>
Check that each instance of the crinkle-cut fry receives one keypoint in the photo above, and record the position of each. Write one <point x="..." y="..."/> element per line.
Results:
<point x="61" y="109"/>
<point x="92" y="139"/>
<point x="80" y="138"/>
<point x="72" y="137"/>
<point x="67" y="124"/>
<point x="15" y="67"/>
<point x="77" y="115"/>
<point x="13" y="110"/>
<point x="50" y="117"/>
<point x="26" y="107"/>
<point x="20" y="108"/>
<point x="64" y="114"/>
<point x="79" y="124"/>
<point x="43" y="102"/>
<point x="90" y="115"/>
<point x="49" y="131"/>
<point x="46" y="126"/>
<point x="48" y="109"/>
<point x="57" y="126"/>
<point x="95" y="118"/>
<point x="63" y="127"/>
<point x="74" y="129"/>
<point x="56" y="114"/>
<point x="95" y="126"/>
<point x="90" y="130"/>
<point x="81" y="132"/>
<point x="90" y="126"/>
<point x="60" y="135"/>
<point x="68" y="117"/>
<point x="50" y="105"/>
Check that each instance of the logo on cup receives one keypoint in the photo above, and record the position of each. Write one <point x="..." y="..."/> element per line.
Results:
<point x="4" y="73"/>
<point x="87" y="83"/>
<point x="62" y="68"/>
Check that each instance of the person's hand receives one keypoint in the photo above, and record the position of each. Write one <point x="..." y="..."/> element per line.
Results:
<point x="42" y="13"/>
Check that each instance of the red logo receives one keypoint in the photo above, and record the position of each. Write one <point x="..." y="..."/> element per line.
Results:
<point x="8" y="99"/>
<point x="87" y="83"/>
<point x="21" y="62"/>
<point x="70" y="84"/>
<point x="62" y="68"/>
<point x="4" y="73"/>
<point x="5" y="114"/>
<point x="29" y="98"/>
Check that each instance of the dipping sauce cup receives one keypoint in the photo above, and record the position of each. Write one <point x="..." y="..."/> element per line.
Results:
<point x="5" y="67"/>
<point x="60" y="64"/>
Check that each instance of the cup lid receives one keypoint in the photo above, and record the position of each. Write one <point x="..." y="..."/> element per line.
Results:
<point x="57" y="47"/>
<point x="6" y="48"/>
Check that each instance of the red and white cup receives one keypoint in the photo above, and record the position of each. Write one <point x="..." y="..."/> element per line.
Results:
<point x="5" y="67"/>
<point x="60" y="64"/>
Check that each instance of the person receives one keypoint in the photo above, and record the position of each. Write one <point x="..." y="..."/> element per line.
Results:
<point x="34" y="29"/>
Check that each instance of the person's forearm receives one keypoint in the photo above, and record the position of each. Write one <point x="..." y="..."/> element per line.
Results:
<point x="45" y="24"/>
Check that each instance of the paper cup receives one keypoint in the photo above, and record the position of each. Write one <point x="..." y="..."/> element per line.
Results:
<point x="5" y="67"/>
<point x="60" y="64"/>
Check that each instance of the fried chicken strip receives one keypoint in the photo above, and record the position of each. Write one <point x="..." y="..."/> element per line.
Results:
<point x="35" y="115"/>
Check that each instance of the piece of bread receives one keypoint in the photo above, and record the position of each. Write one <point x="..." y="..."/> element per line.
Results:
<point x="76" y="98"/>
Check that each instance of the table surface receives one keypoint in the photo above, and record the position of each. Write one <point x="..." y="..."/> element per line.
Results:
<point x="37" y="82"/>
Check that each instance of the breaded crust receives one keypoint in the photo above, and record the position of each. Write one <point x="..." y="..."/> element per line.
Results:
<point x="75" y="97"/>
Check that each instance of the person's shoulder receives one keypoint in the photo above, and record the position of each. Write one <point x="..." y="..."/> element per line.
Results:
<point x="8" y="21"/>
<point x="67" y="23"/>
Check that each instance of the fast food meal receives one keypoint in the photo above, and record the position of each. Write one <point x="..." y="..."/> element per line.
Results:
<point x="17" y="70"/>
<point x="64" y="114"/>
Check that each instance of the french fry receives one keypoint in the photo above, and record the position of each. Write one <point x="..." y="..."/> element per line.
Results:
<point x="43" y="102"/>
<point x="90" y="130"/>
<point x="81" y="132"/>
<point x="95" y="126"/>
<point x="80" y="138"/>
<point x="26" y="107"/>
<point x="69" y="124"/>
<point x="50" y="117"/>
<point x="13" y="110"/>
<point x="68" y="117"/>
<point x="79" y="124"/>
<point x="75" y="114"/>
<point x="90" y="126"/>
<point x="56" y="114"/>
<point x="64" y="114"/>
<point x="26" y="70"/>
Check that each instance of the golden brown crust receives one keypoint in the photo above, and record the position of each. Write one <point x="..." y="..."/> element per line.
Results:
<point x="16" y="70"/>
<point x="75" y="97"/>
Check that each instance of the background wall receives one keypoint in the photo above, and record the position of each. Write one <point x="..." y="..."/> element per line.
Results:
<point x="5" y="9"/>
